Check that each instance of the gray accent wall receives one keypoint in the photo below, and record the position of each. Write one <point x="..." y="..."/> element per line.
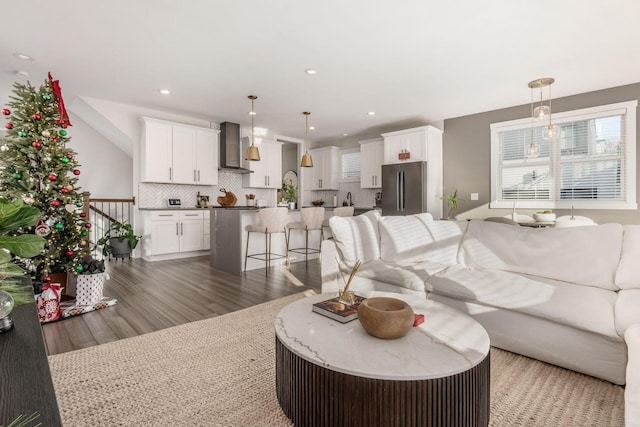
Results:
<point x="467" y="150"/>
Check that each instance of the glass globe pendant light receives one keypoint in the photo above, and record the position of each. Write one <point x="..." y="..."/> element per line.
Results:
<point x="252" y="151"/>
<point x="307" y="161"/>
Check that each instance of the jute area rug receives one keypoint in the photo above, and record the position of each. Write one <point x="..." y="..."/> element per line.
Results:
<point x="221" y="372"/>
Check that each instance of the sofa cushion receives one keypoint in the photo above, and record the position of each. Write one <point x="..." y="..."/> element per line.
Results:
<point x="405" y="276"/>
<point x="587" y="308"/>
<point x="627" y="310"/>
<point x="357" y="237"/>
<point x="583" y="255"/>
<point x="418" y="238"/>
<point x="628" y="274"/>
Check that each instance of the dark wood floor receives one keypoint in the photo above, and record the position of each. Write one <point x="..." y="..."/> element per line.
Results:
<point x="157" y="295"/>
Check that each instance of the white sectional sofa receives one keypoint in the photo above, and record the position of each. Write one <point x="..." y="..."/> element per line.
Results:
<point x="564" y="296"/>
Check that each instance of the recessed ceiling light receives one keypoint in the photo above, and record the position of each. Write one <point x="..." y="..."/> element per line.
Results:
<point x="371" y="113"/>
<point x="164" y="91"/>
<point x="22" y="73"/>
<point x="22" y="56"/>
<point x="311" y="71"/>
<point x="345" y="134"/>
<point x="252" y="113"/>
<point x="312" y="128"/>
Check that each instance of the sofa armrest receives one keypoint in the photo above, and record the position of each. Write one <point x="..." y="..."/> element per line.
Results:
<point x="632" y="390"/>
<point x="329" y="268"/>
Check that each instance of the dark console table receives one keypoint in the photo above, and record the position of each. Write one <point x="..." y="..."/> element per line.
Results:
<point x="25" y="379"/>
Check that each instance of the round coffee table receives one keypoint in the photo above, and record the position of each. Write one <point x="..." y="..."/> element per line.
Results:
<point x="329" y="373"/>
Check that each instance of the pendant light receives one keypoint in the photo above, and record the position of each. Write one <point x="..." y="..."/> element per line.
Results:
<point x="540" y="112"/>
<point x="252" y="151"/>
<point x="307" y="161"/>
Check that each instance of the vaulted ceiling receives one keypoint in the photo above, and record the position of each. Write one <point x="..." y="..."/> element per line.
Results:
<point x="406" y="60"/>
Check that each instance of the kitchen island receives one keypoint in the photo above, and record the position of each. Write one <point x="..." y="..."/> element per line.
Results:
<point x="229" y="240"/>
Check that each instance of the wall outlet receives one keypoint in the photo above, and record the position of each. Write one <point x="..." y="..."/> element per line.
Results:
<point x="474" y="196"/>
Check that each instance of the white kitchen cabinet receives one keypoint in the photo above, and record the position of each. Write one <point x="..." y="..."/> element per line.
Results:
<point x="267" y="172"/>
<point x="175" y="232"/>
<point x="371" y="159"/>
<point x="178" y="154"/>
<point x="324" y="173"/>
<point x="413" y="145"/>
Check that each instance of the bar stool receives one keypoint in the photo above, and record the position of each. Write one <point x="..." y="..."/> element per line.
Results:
<point x="311" y="220"/>
<point x="272" y="221"/>
<point x="342" y="211"/>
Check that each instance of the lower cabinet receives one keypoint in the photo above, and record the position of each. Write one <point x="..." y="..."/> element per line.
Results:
<point x="176" y="232"/>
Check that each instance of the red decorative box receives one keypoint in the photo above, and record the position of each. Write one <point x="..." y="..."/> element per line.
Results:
<point x="418" y="319"/>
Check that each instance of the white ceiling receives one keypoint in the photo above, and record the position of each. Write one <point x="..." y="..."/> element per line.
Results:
<point x="407" y="60"/>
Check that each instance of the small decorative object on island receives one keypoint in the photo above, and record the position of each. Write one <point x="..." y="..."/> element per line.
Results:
<point x="386" y="318"/>
<point x="229" y="199"/>
<point x="290" y="193"/>
<point x="6" y="306"/>
<point x="119" y="241"/>
<point x="251" y="199"/>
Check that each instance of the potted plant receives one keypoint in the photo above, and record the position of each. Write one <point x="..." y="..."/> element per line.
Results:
<point x="290" y="193"/>
<point x="119" y="240"/>
<point x="452" y="202"/>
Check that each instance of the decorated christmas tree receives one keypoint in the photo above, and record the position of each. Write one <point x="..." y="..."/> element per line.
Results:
<point x="43" y="172"/>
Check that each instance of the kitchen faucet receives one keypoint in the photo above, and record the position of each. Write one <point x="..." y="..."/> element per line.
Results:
<point x="349" y="199"/>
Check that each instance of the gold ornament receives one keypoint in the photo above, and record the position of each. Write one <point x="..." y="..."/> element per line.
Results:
<point x="83" y="243"/>
<point x="29" y="200"/>
<point x="46" y="133"/>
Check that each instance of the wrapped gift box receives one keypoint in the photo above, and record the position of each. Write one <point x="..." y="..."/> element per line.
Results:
<point x="89" y="288"/>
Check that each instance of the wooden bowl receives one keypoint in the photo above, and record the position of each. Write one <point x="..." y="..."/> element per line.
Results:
<point x="386" y="318"/>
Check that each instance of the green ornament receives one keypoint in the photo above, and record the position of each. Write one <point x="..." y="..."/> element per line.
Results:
<point x="64" y="160"/>
<point x="46" y="97"/>
<point x="79" y="268"/>
<point x="22" y="134"/>
<point x="62" y="132"/>
<point x="83" y="233"/>
<point x="59" y="226"/>
<point x="79" y="204"/>
<point x="16" y="176"/>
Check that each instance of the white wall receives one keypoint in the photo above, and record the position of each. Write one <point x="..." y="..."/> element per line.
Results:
<point x="105" y="171"/>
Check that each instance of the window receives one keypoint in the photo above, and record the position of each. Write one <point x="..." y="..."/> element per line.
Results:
<point x="590" y="163"/>
<point x="350" y="165"/>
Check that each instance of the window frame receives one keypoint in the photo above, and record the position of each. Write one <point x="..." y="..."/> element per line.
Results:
<point x="341" y="154"/>
<point x="627" y="108"/>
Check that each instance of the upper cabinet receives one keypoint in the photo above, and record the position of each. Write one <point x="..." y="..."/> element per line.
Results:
<point x="324" y="173"/>
<point x="371" y="158"/>
<point x="267" y="172"/>
<point x="179" y="154"/>
<point x="413" y="145"/>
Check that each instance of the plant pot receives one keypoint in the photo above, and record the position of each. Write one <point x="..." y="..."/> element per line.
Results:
<point x="292" y="205"/>
<point x="121" y="249"/>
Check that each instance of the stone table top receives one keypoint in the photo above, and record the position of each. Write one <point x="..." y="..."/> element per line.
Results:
<point x="447" y="343"/>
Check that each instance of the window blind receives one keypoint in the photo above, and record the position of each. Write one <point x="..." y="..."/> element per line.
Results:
<point x="351" y="165"/>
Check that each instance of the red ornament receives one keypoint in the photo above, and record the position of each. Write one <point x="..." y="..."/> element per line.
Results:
<point x="83" y="215"/>
<point x="69" y="156"/>
<point x="64" y="191"/>
<point x="88" y="225"/>
<point x="55" y="203"/>
<point x="6" y="111"/>
<point x="9" y="125"/>
<point x="52" y="177"/>
<point x="46" y="279"/>
<point x="37" y="144"/>
<point x="54" y="139"/>
<point x="76" y="171"/>
<point x="36" y="116"/>
<point x="69" y="253"/>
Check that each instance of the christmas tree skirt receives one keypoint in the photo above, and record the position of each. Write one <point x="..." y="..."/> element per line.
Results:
<point x="70" y="309"/>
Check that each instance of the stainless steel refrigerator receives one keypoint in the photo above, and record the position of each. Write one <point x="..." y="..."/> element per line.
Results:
<point x="404" y="188"/>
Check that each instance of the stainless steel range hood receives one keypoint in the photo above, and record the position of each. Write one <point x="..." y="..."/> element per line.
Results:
<point x="230" y="150"/>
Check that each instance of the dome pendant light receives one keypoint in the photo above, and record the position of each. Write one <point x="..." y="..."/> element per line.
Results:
<point x="307" y="161"/>
<point x="252" y="151"/>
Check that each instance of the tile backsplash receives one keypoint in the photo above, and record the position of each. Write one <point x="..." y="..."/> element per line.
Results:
<point x="151" y="195"/>
<point x="361" y="197"/>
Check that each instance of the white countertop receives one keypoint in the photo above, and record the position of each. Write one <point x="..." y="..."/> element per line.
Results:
<point x="447" y="343"/>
